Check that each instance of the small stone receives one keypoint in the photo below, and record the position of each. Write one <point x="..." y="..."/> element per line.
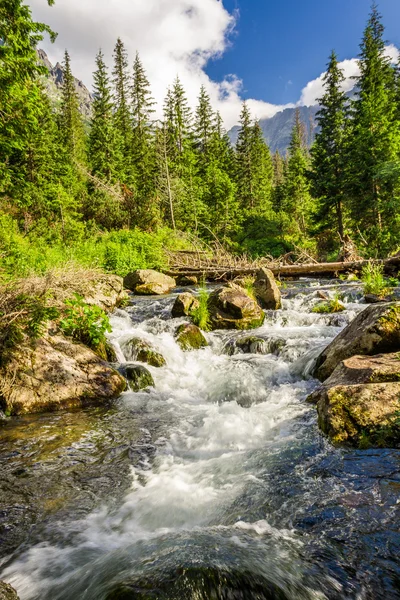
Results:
<point x="184" y="305"/>
<point x="188" y="280"/>
<point x="190" y="337"/>
<point x="138" y="376"/>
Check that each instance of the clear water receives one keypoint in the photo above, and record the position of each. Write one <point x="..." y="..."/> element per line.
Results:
<point x="227" y="474"/>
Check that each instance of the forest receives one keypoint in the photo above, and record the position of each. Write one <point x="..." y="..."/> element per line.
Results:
<point x="116" y="190"/>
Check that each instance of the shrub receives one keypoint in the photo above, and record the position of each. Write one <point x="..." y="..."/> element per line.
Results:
<point x="85" y="323"/>
<point x="201" y="315"/>
<point x="330" y="306"/>
<point x="373" y="280"/>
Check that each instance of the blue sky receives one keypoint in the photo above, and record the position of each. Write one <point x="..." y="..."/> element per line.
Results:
<point x="278" y="46"/>
<point x="270" y="52"/>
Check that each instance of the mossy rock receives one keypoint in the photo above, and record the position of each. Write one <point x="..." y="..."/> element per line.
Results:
<point x="143" y="351"/>
<point x="190" y="337"/>
<point x="375" y="330"/>
<point x="359" y="404"/>
<point x="138" y="377"/>
<point x="7" y="592"/>
<point x="232" y="308"/>
<point x="184" y="305"/>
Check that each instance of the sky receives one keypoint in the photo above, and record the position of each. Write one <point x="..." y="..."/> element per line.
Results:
<point x="271" y="53"/>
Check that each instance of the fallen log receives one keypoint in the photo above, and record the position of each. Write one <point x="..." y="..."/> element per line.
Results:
<point x="306" y="270"/>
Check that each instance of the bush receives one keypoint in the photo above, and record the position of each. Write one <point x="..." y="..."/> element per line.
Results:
<point x="85" y="323"/>
<point x="373" y="280"/>
<point x="201" y="315"/>
<point x="330" y="306"/>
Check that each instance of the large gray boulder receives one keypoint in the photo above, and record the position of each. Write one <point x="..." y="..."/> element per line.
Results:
<point x="359" y="403"/>
<point x="54" y="373"/>
<point x="7" y="592"/>
<point x="267" y="291"/>
<point x="184" y="305"/>
<point x="231" y="308"/>
<point x="375" y="330"/>
<point x="145" y="282"/>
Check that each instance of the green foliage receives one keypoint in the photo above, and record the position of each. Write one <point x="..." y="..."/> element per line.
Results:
<point x="373" y="280"/>
<point x="333" y="305"/>
<point x="201" y="315"/>
<point x="248" y="285"/>
<point x="84" y="322"/>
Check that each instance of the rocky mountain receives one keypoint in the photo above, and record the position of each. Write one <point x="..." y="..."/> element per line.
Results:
<point x="277" y="129"/>
<point x="53" y="83"/>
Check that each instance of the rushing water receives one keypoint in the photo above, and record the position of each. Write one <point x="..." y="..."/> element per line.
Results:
<point x="215" y="484"/>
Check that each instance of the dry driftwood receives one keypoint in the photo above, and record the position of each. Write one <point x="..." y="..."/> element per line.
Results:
<point x="304" y="270"/>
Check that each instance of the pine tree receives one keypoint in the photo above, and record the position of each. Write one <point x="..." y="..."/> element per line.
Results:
<point x="143" y="158"/>
<point x="374" y="139"/>
<point x="328" y="152"/>
<point x="298" y="203"/>
<point x="102" y="142"/>
<point x="244" y="167"/>
<point x="204" y="127"/>
<point x="22" y="100"/>
<point x="71" y="124"/>
<point x="278" y="193"/>
<point x="122" y="116"/>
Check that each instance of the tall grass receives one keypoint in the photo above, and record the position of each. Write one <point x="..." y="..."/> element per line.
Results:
<point x="201" y="314"/>
<point x="373" y="280"/>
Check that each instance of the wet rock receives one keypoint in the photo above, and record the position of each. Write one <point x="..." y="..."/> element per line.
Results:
<point x="138" y="376"/>
<point x="375" y="330"/>
<point x="143" y="351"/>
<point x="188" y="280"/>
<point x="267" y="291"/>
<point x="7" y="592"/>
<point x="322" y="295"/>
<point x="232" y="308"/>
<point x="247" y="345"/>
<point x="359" y="403"/>
<point x="184" y="304"/>
<point x="146" y="282"/>
<point x="54" y="373"/>
<point x="190" y="337"/>
<point x="375" y="299"/>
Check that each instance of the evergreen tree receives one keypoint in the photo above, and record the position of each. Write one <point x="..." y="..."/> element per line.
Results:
<point x="102" y="142"/>
<point x="204" y="127"/>
<point x="71" y="124"/>
<point x="297" y="201"/>
<point x="279" y="170"/>
<point x="374" y="140"/>
<point x="244" y="167"/>
<point x="143" y="158"/>
<point x="328" y="152"/>
<point x="122" y="116"/>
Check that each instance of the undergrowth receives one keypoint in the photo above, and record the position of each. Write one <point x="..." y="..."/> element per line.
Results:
<point x="373" y="280"/>
<point x="85" y="323"/>
<point x="333" y="305"/>
<point x="201" y="314"/>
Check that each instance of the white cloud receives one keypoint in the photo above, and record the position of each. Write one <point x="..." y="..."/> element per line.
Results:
<point x="172" y="36"/>
<point x="315" y="89"/>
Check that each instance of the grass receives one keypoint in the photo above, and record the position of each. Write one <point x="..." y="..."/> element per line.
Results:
<point x="201" y="314"/>
<point x="373" y="280"/>
<point x="248" y="285"/>
<point x="334" y="305"/>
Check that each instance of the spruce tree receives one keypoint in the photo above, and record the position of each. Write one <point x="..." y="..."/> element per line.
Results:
<point x="297" y="199"/>
<point x="102" y="141"/>
<point x="122" y="116"/>
<point x="142" y="151"/>
<point x="328" y="152"/>
<point x="374" y="139"/>
<point x="70" y="122"/>
<point x="244" y="167"/>
<point x="203" y="127"/>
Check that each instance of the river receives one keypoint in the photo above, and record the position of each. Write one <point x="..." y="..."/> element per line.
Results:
<point x="215" y="484"/>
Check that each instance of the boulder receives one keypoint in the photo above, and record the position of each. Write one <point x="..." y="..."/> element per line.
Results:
<point x="188" y="280"/>
<point x="359" y="404"/>
<point x="143" y="351"/>
<point x="54" y="373"/>
<point x="375" y="299"/>
<point x="375" y="330"/>
<point x="107" y="291"/>
<point x="147" y="282"/>
<point x="138" y="376"/>
<point x="232" y="308"/>
<point x="266" y="290"/>
<point x="184" y="304"/>
<point x="7" y="592"/>
<point x="190" y="337"/>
